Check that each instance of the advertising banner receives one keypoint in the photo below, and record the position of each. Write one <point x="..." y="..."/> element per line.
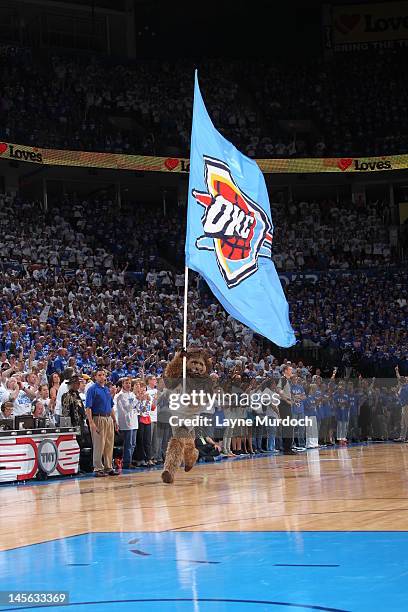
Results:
<point x="359" y="27"/>
<point x="150" y="163"/>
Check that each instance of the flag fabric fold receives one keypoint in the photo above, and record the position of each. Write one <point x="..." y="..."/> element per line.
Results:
<point x="229" y="231"/>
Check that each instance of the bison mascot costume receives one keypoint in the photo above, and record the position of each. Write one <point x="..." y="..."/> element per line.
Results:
<point x="181" y="447"/>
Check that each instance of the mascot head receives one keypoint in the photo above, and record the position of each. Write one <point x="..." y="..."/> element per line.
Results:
<point x="198" y="362"/>
<point x="198" y="366"/>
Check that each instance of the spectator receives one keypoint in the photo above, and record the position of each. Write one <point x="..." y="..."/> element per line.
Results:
<point x="163" y="427"/>
<point x="206" y="446"/>
<point x="102" y="424"/>
<point x="151" y="390"/>
<point x="144" y="435"/>
<point x="127" y="410"/>
<point x="7" y="410"/>
<point x="54" y="384"/>
<point x="62" y="389"/>
<point x="72" y="404"/>
<point x="403" y="398"/>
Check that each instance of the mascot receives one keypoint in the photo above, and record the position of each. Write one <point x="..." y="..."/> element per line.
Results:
<point x="181" y="447"/>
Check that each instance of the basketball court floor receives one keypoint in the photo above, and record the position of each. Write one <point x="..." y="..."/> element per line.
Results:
<point x="323" y="531"/>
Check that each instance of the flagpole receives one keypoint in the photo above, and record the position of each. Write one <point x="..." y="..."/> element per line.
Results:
<point x="185" y="326"/>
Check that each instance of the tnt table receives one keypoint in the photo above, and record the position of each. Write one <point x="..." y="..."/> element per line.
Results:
<point x="23" y="453"/>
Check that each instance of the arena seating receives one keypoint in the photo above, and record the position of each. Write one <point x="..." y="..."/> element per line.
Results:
<point x="98" y="268"/>
<point x="267" y="110"/>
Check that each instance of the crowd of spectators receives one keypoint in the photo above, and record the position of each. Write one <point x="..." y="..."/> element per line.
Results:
<point x="85" y="287"/>
<point x="88" y="279"/>
<point x="98" y="237"/>
<point x="362" y="315"/>
<point x="91" y="103"/>
<point x="327" y="235"/>
<point x="327" y="411"/>
<point x="339" y="411"/>
<point x="358" y="104"/>
<point x="79" y="235"/>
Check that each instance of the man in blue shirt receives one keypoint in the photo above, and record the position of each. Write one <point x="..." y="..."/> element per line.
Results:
<point x="102" y="423"/>
<point x="118" y="372"/>
<point x="403" y="398"/>
<point x="60" y="362"/>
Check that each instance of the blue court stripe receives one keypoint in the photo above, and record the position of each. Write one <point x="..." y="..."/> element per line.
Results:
<point x="302" y="565"/>
<point x="182" y="599"/>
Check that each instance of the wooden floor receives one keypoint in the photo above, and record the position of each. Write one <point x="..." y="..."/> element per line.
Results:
<point x="358" y="488"/>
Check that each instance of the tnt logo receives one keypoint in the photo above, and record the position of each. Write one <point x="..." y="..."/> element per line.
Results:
<point x="235" y="227"/>
<point x="47" y="456"/>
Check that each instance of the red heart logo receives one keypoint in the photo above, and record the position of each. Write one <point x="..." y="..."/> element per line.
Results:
<point x="347" y="23"/>
<point x="3" y="147"/>
<point x="344" y="163"/>
<point x="171" y="163"/>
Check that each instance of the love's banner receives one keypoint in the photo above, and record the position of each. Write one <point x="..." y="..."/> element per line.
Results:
<point x="150" y="163"/>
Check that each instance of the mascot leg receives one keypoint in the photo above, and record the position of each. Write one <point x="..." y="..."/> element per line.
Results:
<point x="174" y="457"/>
<point x="190" y="454"/>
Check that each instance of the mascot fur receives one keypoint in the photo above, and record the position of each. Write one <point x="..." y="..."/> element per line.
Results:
<point x="181" y="447"/>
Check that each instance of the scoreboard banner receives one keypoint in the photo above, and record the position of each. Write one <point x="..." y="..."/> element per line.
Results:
<point x="149" y="163"/>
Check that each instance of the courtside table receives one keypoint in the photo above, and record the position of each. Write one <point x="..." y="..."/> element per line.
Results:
<point x="27" y="452"/>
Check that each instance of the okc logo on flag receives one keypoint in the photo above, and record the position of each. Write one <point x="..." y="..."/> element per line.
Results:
<point x="235" y="227"/>
<point x="229" y="231"/>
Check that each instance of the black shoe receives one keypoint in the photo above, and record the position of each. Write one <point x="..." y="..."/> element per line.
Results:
<point x="209" y="459"/>
<point x="290" y="452"/>
<point x="112" y="473"/>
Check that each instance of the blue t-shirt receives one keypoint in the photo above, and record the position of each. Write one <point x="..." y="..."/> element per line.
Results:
<point x="321" y="409"/>
<point x="99" y="400"/>
<point x="342" y="402"/>
<point x="117" y="374"/>
<point x="298" y="404"/>
<point x="325" y="410"/>
<point x="311" y="406"/>
<point x="354" y="405"/>
<point x="403" y="395"/>
<point x="59" y="364"/>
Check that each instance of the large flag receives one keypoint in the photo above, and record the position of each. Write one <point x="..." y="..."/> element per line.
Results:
<point x="229" y="231"/>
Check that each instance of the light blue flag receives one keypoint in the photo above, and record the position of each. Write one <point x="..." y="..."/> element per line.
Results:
<point x="229" y="231"/>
